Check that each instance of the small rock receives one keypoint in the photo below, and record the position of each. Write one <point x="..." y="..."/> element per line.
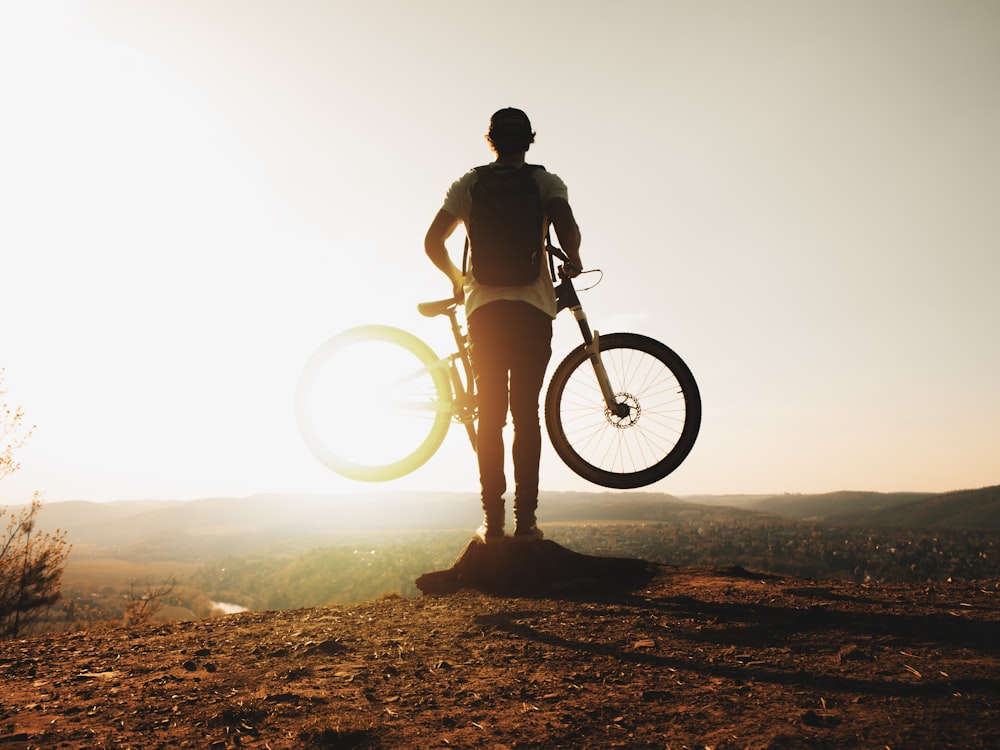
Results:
<point x="853" y="653"/>
<point x="820" y="719"/>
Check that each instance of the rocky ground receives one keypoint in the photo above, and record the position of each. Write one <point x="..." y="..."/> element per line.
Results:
<point x="659" y="657"/>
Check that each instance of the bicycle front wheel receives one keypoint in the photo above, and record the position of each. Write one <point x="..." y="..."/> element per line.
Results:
<point x="374" y="403"/>
<point x="624" y="450"/>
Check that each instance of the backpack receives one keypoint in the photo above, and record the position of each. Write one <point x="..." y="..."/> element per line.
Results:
<point x="506" y="229"/>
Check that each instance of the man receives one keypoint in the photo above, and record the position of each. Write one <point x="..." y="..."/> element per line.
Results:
<point x="510" y="325"/>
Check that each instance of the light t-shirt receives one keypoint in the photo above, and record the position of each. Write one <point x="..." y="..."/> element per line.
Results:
<point x="541" y="294"/>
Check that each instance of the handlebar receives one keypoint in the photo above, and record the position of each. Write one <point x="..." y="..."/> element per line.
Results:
<point x="565" y="290"/>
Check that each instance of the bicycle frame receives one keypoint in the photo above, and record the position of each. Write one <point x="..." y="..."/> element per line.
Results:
<point x="462" y="379"/>
<point x="464" y="406"/>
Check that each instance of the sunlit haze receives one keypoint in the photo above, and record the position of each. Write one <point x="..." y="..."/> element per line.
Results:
<point x="801" y="199"/>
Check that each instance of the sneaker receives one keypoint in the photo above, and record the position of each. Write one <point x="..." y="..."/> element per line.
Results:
<point x="528" y="533"/>
<point x="489" y="535"/>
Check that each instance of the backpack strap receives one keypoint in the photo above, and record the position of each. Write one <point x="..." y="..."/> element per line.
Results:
<point x="465" y="251"/>
<point x="552" y="256"/>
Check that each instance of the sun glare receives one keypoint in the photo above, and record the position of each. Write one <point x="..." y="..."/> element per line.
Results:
<point x="373" y="404"/>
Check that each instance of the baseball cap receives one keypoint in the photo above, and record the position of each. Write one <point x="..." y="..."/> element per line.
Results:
<point x="510" y="124"/>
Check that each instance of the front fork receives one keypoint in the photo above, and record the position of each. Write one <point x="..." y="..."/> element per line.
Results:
<point x="592" y="345"/>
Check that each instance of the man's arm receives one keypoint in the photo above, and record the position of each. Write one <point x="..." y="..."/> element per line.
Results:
<point x="561" y="216"/>
<point x="440" y="230"/>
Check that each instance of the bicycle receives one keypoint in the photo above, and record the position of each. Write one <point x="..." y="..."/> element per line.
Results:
<point x="625" y="421"/>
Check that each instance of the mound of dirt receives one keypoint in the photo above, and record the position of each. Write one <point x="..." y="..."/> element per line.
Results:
<point x="694" y="657"/>
<point x="532" y="568"/>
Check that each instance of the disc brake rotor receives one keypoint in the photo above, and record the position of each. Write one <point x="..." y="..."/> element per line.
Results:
<point x="623" y="422"/>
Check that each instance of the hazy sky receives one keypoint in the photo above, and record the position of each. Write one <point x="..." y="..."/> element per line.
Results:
<point x="801" y="198"/>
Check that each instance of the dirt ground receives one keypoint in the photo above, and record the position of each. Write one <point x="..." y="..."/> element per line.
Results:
<point x="694" y="658"/>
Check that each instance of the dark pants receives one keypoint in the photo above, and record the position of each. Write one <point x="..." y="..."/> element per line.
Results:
<point x="511" y="343"/>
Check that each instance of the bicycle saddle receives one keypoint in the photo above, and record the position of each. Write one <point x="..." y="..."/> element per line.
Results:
<point x="438" y="307"/>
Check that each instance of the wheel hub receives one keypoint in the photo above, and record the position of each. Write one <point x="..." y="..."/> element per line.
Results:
<point x="627" y="412"/>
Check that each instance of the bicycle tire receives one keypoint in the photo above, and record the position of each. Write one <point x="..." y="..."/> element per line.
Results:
<point x="637" y="450"/>
<point x="362" y="419"/>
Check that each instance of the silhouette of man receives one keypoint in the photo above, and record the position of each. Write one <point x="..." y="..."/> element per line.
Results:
<point x="510" y="329"/>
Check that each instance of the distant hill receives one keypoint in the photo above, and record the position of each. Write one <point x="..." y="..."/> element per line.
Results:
<point x="964" y="509"/>
<point x="961" y="509"/>
<point x="807" y="507"/>
<point x="214" y="527"/>
<point x="220" y="526"/>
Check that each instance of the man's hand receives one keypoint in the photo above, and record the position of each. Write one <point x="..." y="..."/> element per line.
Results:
<point x="569" y="270"/>
<point x="458" y="286"/>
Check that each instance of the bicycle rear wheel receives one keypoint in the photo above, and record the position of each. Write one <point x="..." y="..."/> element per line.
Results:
<point x="374" y="403"/>
<point x="637" y="449"/>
